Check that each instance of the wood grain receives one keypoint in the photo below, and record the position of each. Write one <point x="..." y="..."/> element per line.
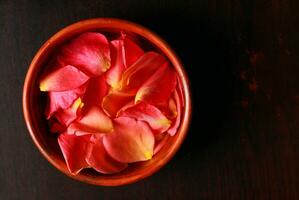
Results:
<point x="242" y="59"/>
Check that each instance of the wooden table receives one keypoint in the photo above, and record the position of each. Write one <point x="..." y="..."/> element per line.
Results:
<point x="242" y="59"/>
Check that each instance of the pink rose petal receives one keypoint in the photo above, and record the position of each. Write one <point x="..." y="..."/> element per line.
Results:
<point x="130" y="141"/>
<point x="158" y="88"/>
<point x="117" y="63"/>
<point x="62" y="79"/>
<point x="114" y="101"/>
<point x="63" y="100"/>
<point x="67" y="116"/>
<point x="74" y="149"/>
<point x="148" y="113"/>
<point x="124" y="53"/>
<point x="100" y="160"/>
<point x="89" y="52"/>
<point x="134" y="76"/>
<point x="93" y="121"/>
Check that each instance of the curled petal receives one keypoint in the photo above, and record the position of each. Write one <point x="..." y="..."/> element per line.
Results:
<point x="114" y="101"/>
<point x="89" y="52"/>
<point x="158" y="88"/>
<point x="134" y="76"/>
<point x="67" y="116"/>
<point x="150" y="114"/>
<point x="74" y="149"/>
<point x="175" y="125"/>
<point x="132" y="51"/>
<point x="124" y="53"/>
<point x="62" y="79"/>
<point x="63" y="100"/>
<point x="125" y="107"/>
<point x="93" y="121"/>
<point x="99" y="159"/>
<point x="180" y="92"/>
<point x="130" y="141"/>
<point x="114" y="74"/>
<point x="172" y="106"/>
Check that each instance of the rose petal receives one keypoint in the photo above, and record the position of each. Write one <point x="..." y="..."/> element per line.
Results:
<point x="124" y="53"/>
<point x="96" y="90"/>
<point x="173" y="129"/>
<point x="93" y="121"/>
<point x="114" y="74"/>
<point x="63" y="100"/>
<point x="134" y="76"/>
<point x="132" y="51"/>
<point x="130" y="141"/>
<point x="74" y="149"/>
<point x="62" y="79"/>
<point x="172" y="108"/>
<point x="160" y="142"/>
<point x="55" y="126"/>
<point x="180" y="92"/>
<point x="114" y="101"/>
<point x="158" y="88"/>
<point x="99" y="159"/>
<point x="67" y="116"/>
<point x="89" y="52"/>
<point x="150" y="114"/>
<point x="125" y="107"/>
<point x="51" y="66"/>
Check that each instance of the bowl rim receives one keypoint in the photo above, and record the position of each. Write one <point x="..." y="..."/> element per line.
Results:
<point x="98" y="23"/>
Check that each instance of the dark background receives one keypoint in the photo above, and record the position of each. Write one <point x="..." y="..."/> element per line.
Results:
<point x="242" y="60"/>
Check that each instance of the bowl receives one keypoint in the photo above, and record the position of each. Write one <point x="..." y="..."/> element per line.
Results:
<point x="33" y="104"/>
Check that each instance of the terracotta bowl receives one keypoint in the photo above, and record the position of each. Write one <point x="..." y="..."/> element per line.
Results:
<point x="33" y="103"/>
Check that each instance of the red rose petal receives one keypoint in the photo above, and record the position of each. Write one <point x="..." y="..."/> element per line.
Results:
<point x="63" y="100"/>
<point x="96" y="90"/>
<point x="130" y="141"/>
<point x="134" y="76"/>
<point x="170" y="109"/>
<point x="74" y="149"/>
<point x="88" y="52"/>
<point x="117" y="63"/>
<point x="131" y="80"/>
<point x="180" y="92"/>
<point x="132" y="51"/>
<point x="62" y="79"/>
<point x="172" y="106"/>
<point x="160" y="142"/>
<point x="114" y="101"/>
<point x="52" y="65"/>
<point x="55" y="126"/>
<point x="94" y="121"/>
<point x="158" y="88"/>
<point x="173" y="129"/>
<point x="100" y="160"/>
<point x="125" y="107"/>
<point x="124" y="53"/>
<point x="150" y="114"/>
<point x="67" y="116"/>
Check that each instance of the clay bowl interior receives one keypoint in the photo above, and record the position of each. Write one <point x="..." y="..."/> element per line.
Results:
<point x="34" y="102"/>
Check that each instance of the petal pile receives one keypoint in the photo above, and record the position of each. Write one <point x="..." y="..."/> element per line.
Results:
<point x="111" y="102"/>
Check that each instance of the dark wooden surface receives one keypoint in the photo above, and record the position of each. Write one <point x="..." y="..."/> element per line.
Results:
<point x="242" y="59"/>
